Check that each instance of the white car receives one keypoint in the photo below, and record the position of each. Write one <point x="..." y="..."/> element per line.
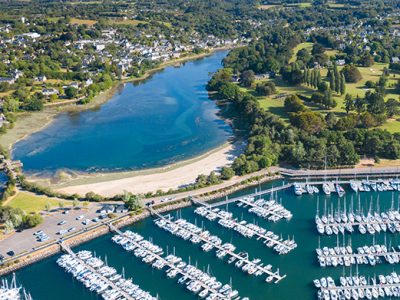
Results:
<point x="80" y="217"/>
<point x="86" y="222"/>
<point x="40" y="232"/>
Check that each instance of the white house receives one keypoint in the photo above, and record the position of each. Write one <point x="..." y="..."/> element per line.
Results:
<point x="41" y="78"/>
<point x="49" y="92"/>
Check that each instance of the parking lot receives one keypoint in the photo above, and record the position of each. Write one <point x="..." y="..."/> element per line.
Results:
<point x="26" y="240"/>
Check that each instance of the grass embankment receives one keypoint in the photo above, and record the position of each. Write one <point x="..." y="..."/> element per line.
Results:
<point x="31" y="203"/>
<point x="275" y="103"/>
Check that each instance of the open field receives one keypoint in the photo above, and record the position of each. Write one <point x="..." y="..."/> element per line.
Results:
<point x="76" y="21"/>
<point x="268" y="6"/>
<point x="336" y="5"/>
<point x="30" y="202"/>
<point x="124" y="22"/>
<point x="300" y="4"/>
<point x="275" y="104"/>
<point x="299" y="47"/>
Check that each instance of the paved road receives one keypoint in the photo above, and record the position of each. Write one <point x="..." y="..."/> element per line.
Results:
<point x="26" y="241"/>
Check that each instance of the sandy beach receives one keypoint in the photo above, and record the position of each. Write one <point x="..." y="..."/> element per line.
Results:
<point x="169" y="177"/>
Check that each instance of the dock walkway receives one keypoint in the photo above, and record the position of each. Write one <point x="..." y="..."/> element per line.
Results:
<point x="68" y="250"/>
<point x="167" y="263"/>
<point x="232" y="200"/>
<point x="264" y="270"/>
<point x="259" y="235"/>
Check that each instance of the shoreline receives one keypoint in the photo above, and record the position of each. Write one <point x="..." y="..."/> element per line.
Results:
<point x="164" y="178"/>
<point x="29" y="123"/>
<point x="27" y="258"/>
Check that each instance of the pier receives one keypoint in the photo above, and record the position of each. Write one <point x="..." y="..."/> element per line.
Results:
<point x="110" y="283"/>
<point x="232" y="200"/>
<point x="170" y="264"/>
<point x="369" y="255"/>
<point x="263" y="270"/>
<point x="358" y="287"/>
<point x="222" y="215"/>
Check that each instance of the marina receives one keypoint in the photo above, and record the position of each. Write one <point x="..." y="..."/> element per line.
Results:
<point x="11" y="290"/>
<point x="359" y="287"/>
<point x="267" y="209"/>
<point x="186" y="231"/>
<point x="368" y="255"/>
<point x="299" y="275"/>
<point x="248" y="230"/>
<point x="98" y="277"/>
<point x="196" y="281"/>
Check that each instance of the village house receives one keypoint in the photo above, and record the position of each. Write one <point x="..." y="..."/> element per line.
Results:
<point x="41" y="78"/>
<point x="340" y="62"/>
<point x="74" y="85"/>
<point x="49" y="92"/>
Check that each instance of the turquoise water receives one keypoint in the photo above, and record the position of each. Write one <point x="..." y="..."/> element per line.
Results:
<point x="166" y="118"/>
<point x="45" y="280"/>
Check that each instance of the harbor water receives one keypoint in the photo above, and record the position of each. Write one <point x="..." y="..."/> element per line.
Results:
<point x="161" y="120"/>
<point x="46" y="280"/>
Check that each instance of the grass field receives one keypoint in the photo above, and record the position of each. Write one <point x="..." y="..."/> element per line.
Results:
<point x="300" y="4"/>
<point x="336" y="5"/>
<point x="268" y="6"/>
<point x="76" y="21"/>
<point x="275" y="104"/>
<point x="29" y="202"/>
<point x="124" y="22"/>
<point x="299" y="47"/>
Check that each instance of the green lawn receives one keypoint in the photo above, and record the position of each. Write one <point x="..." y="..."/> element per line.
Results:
<point x="301" y="4"/>
<point x="299" y="47"/>
<point x="275" y="104"/>
<point x="29" y="202"/>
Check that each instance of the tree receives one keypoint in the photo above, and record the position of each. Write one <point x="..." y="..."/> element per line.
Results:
<point x="32" y="220"/>
<point x="359" y="105"/>
<point x="75" y="203"/>
<point x="247" y="78"/>
<point x="342" y="84"/>
<point x="332" y="81"/>
<point x="375" y="102"/>
<point x="133" y="202"/>
<point x="294" y="104"/>
<point x="71" y="92"/>
<point x="392" y="107"/>
<point x="213" y="178"/>
<point x="349" y="103"/>
<point x="318" y="79"/>
<point x="61" y="204"/>
<point x="351" y="74"/>
<point x="367" y="120"/>
<point x="308" y="121"/>
<point x="8" y="227"/>
<point x="367" y="60"/>
<point x="266" y="88"/>
<point x="47" y="206"/>
<point x="227" y="173"/>
<point x="337" y="79"/>
<point x="317" y="49"/>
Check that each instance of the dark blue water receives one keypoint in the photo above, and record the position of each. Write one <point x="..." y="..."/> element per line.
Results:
<point x="45" y="280"/>
<point x="166" y="118"/>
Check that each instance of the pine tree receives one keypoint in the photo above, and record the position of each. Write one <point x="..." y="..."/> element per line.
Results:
<point x="305" y="75"/>
<point x="337" y="78"/>
<point x="308" y="75"/>
<point x="342" y="84"/>
<point x="332" y="81"/>
<point x="312" y="79"/>
<point x="318" y="80"/>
